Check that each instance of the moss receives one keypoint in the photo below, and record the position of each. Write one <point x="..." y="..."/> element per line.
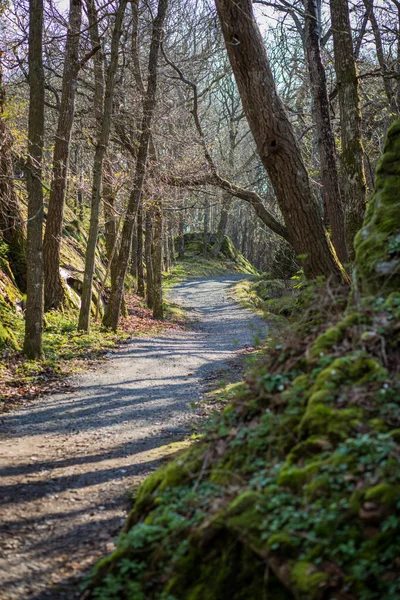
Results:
<point x="326" y="341"/>
<point x="7" y="338"/>
<point x="378" y="425"/>
<point x="320" y="419"/>
<point x="281" y="543"/>
<point x="308" y="582"/>
<point x="309" y="448"/>
<point x="377" y="256"/>
<point x="355" y="368"/>
<point x="294" y="477"/>
<point x="383" y="493"/>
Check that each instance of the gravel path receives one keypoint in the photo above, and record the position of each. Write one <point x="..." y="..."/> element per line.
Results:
<point x="66" y="461"/>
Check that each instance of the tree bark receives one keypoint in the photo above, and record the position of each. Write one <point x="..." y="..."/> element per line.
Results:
<point x="148" y="252"/>
<point x="157" y="261"/>
<point x="325" y="139"/>
<point x="352" y="155"/>
<point x="111" y="316"/>
<point x="102" y="143"/>
<point x="34" y="247"/>
<point x="140" y="272"/>
<point x="54" y="287"/>
<point x="110" y="222"/>
<point x="276" y="143"/>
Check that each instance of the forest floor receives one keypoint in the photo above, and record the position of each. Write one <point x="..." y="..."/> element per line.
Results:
<point x="68" y="461"/>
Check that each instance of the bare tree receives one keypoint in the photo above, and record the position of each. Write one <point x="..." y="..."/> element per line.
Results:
<point x="101" y="147"/>
<point x="54" y="287"/>
<point x="34" y="247"/>
<point x="352" y="154"/>
<point x="325" y="141"/>
<point x="275" y="140"/>
<point x="111" y="316"/>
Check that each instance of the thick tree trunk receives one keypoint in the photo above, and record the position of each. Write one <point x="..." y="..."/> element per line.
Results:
<point x="148" y="254"/>
<point x="102" y="143"/>
<point x="34" y="247"/>
<point x="111" y="316"/>
<point x="276" y="143"/>
<point x="352" y="155"/>
<point x="157" y="261"/>
<point x="54" y="288"/>
<point x="325" y="139"/>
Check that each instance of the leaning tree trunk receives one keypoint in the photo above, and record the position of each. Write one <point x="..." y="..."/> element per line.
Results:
<point x="276" y="143"/>
<point x="34" y="246"/>
<point x="325" y="139"/>
<point x="352" y="155"/>
<point x="54" y="288"/>
<point x="111" y="315"/>
<point x="12" y="225"/>
<point x="157" y="260"/>
<point x="101" y="147"/>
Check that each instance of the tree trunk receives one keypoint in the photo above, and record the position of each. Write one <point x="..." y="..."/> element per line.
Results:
<point x="352" y="155"/>
<point x="222" y="223"/>
<point x="134" y="251"/>
<point x="11" y="219"/>
<point x="111" y="315"/>
<point x="157" y="261"/>
<point x="54" y="288"/>
<point x="325" y="139"/>
<point x="206" y="231"/>
<point x="110" y="223"/>
<point x="34" y="246"/>
<point x="140" y="272"/>
<point x="102" y="143"/>
<point x="276" y="143"/>
<point x="181" y="249"/>
<point x="148" y="247"/>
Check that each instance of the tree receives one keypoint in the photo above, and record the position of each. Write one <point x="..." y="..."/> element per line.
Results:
<point x="111" y="315"/>
<point x="352" y="154"/>
<point x="34" y="246"/>
<point x="101" y="147"/>
<point x="275" y="140"/>
<point x="54" y="287"/>
<point x="326" y="141"/>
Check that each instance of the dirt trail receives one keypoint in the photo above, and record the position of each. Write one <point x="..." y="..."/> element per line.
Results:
<point x="67" y="461"/>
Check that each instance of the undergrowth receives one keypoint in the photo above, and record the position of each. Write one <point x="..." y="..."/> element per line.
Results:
<point x="294" y="490"/>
